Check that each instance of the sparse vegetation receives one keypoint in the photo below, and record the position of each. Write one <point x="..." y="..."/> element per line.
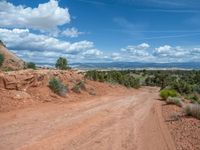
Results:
<point x="165" y="93"/>
<point x="174" y="100"/>
<point x="192" y="110"/>
<point x="1" y="59"/>
<point x="62" y="64"/>
<point x="31" y="65"/>
<point x="175" y="116"/>
<point x="58" y="87"/>
<point x="185" y="83"/>
<point x="173" y="83"/>
<point x="119" y="77"/>
<point x="7" y="69"/>
<point x="78" y="87"/>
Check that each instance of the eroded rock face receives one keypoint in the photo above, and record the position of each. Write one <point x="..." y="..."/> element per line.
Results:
<point x="20" y="81"/>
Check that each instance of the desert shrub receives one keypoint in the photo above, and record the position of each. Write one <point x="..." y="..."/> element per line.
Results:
<point x="192" y="110"/>
<point x="165" y="93"/>
<point x="57" y="87"/>
<point x="62" y="64"/>
<point x="174" y="100"/>
<point x="7" y="69"/>
<point x="175" y="116"/>
<point x="1" y="59"/>
<point x="194" y="97"/>
<point x="78" y="87"/>
<point x="182" y="87"/>
<point x="31" y="65"/>
<point x="92" y="92"/>
<point x="196" y="89"/>
<point x="115" y="77"/>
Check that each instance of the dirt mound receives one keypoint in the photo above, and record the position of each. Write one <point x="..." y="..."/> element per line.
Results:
<point x="11" y="61"/>
<point x="19" y="89"/>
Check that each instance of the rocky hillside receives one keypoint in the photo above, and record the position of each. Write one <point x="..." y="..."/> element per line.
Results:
<point x="11" y="61"/>
<point x="24" y="88"/>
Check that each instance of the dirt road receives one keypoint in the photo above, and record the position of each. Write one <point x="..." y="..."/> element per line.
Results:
<point x="127" y="122"/>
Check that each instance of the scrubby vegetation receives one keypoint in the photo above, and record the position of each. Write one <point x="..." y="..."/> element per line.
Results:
<point x="1" y="59"/>
<point x="165" y="93"/>
<point x="78" y="87"/>
<point x="184" y="82"/>
<point x="193" y="110"/>
<point x="174" y="84"/>
<point x="62" y="64"/>
<point x="58" y="87"/>
<point x="31" y="65"/>
<point x="174" y="100"/>
<point x="114" y="77"/>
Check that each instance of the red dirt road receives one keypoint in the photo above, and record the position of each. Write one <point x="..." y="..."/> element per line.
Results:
<point x="130" y="121"/>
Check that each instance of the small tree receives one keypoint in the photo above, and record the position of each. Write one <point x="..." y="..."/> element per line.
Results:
<point x="1" y="59"/>
<point x="62" y="63"/>
<point x="31" y="65"/>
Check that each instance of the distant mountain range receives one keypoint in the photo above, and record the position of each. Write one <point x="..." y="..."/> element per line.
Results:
<point x="136" y="65"/>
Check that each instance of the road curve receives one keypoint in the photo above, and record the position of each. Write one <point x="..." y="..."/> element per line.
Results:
<point x="126" y="122"/>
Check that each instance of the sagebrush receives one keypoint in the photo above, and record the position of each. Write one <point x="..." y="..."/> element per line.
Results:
<point x="79" y="86"/>
<point x="58" y="87"/>
<point x="192" y="110"/>
<point x="174" y="100"/>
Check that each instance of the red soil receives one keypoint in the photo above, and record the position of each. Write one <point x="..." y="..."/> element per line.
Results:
<point x="185" y="130"/>
<point x="102" y="116"/>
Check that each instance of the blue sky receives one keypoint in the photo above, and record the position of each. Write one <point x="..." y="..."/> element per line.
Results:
<point x="102" y="30"/>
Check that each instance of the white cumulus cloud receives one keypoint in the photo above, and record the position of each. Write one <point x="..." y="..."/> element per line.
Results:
<point x="171" y="52"/>
<point x="71" y="32"/>
<point x="23" y="39"/>
<point x="138" y="50"/>
<point x="93" y="52"/>
<point x="45" y="17"/>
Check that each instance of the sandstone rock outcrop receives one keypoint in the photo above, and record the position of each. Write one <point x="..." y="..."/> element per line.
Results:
<point x="20" y="81"/>
<point x="11" y="61"/>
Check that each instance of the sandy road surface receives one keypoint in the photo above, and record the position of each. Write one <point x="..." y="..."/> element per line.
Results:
<point x="127" y="122"/>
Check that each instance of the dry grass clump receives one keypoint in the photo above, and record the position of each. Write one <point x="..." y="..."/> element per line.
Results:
<point x="192" y="110"/>
<point x="174" y="100"/>
<point x="79" y="86"/>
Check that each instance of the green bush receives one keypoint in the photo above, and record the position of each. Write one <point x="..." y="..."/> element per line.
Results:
<point x="174" y="100"/>
<point x="58" y="87"/>
<point x="7" y="69"/>
<point x="62" y="64"/>
<point x="165" y="93"/>
<point x="78" y="87"/>
<point x="182" y="87"/>
<point x="194" y="97"/>
<point x="114" y="77"/>
<point x="192" y="110"/>
<point x="1" y="59"/>
<point x="31" y="65"/>
<point x="196" y="88"/>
